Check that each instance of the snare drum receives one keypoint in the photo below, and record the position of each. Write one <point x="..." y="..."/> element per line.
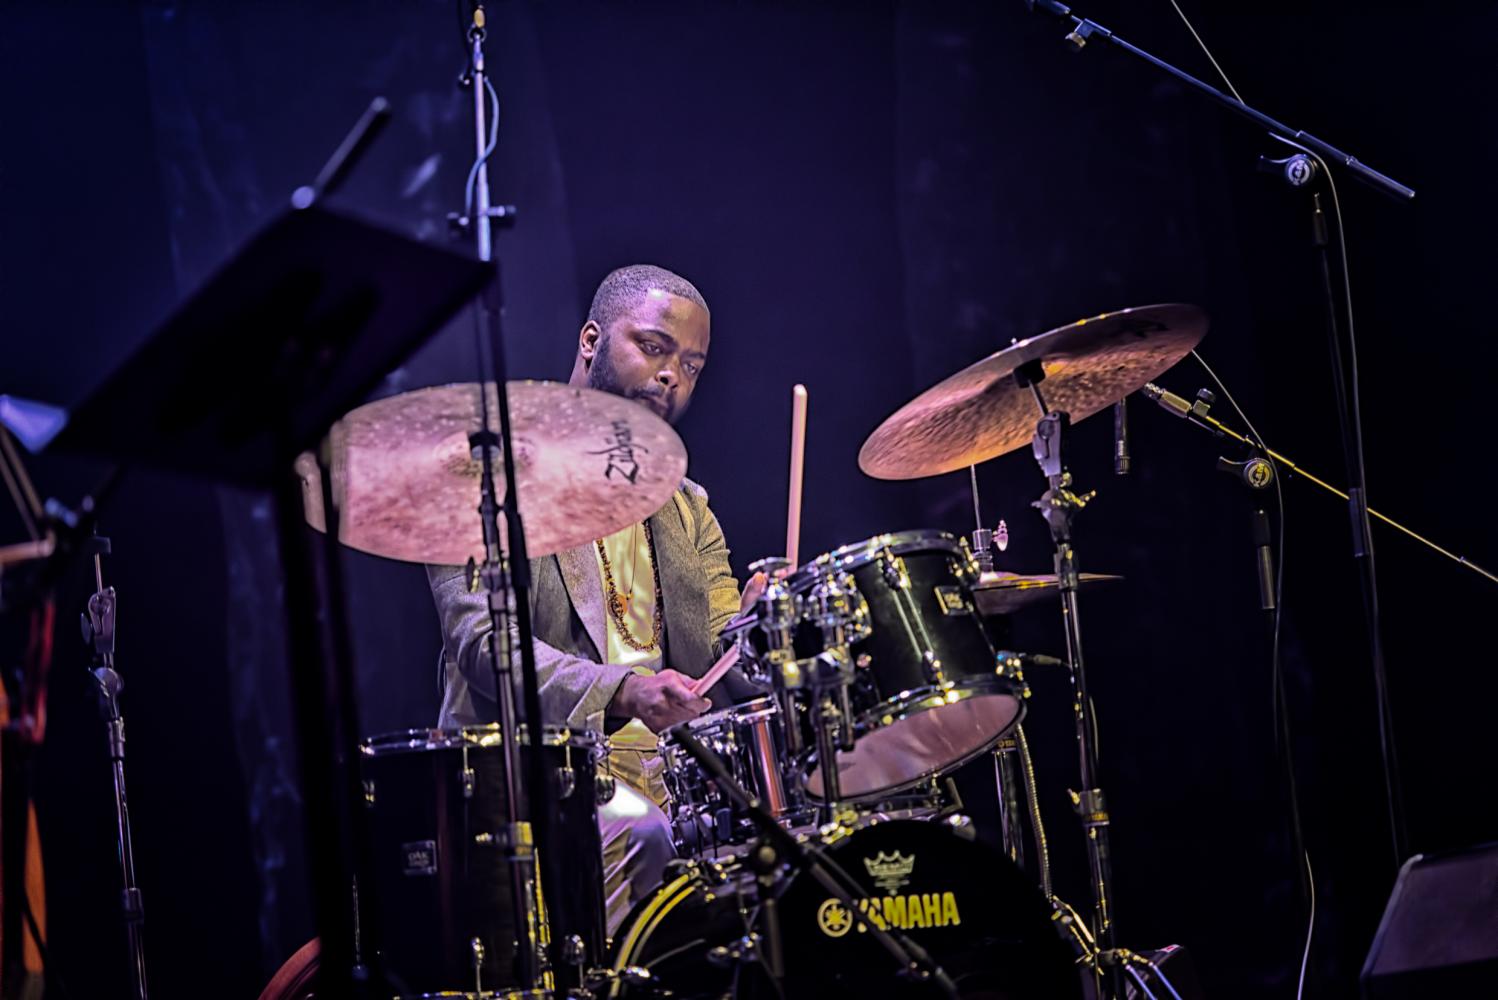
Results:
<point x="750" y="740"/>
<point x="439" y="882"/>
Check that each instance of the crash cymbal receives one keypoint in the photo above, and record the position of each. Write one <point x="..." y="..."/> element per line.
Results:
<point x="999" y="593"/>
<point x="982" y="412"/>
<point x="406" y="482"/>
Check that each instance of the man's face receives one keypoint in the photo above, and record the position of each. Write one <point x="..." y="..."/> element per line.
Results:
<point x="652" y="354"/>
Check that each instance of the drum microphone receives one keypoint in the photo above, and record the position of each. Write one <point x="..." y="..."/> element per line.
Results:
<point x="1038" y="659"/>
<point x="1179" y="406"/>
<point x="1121" y="437"/>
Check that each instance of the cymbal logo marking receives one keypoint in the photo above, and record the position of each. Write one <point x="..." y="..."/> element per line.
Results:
<point x="621" y="453"/>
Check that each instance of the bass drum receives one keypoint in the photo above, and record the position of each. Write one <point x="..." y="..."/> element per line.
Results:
<point x="974" y="913"/>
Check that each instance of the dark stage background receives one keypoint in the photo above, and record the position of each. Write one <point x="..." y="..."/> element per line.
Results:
<point x="870" y="195"/>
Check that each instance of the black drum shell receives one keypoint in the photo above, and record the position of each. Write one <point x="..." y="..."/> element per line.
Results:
<point x="981" y="919"/>
<point x="420" y="918"/>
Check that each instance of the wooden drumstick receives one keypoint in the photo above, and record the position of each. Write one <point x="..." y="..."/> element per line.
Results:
<point x="716" y="671"/>
<point x="798" y="462"/>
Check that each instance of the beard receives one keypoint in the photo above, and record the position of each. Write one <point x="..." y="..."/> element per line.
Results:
<point x="604" y="376"/>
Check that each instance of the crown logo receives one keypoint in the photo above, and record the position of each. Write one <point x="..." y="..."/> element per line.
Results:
<point x="890" y="871"/>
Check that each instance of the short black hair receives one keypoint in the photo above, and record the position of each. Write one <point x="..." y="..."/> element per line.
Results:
<point x="623" y="287"/>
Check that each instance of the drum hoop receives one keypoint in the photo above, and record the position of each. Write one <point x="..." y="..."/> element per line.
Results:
<point x="500" y="994"/>
<point x="419" y="740"/>
<point x="754" y="709"/>
<point x="862" y="553"/>
<point x="664" y="899"/>
<point x="923" y="699"/>
<point x="933" y="697"/>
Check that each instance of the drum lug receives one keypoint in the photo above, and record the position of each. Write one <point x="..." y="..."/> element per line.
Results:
<point x="791" y="674"/>
<point x="630" y="975"/>
<point x="516" y="837"/>
<point x="573" y="951"/>
<point x="966" y="569"/>
<point x="962" y="825"/>
<point x="1012" y="666"/>
<point x="892" y="567"/>
<point x="369" y="792"/>
<point x="604" y="786"/>
<point x="932" y="667"/>
<point x="477" y="948"/>
<point x="741" y="952"/>
<point x="563" y="782"/>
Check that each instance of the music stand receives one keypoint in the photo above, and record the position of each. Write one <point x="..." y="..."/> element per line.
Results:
<point x="294" y="331"/>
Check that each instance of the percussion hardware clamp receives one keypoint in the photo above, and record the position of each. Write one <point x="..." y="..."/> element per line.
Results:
<point x="1090" y="806"/>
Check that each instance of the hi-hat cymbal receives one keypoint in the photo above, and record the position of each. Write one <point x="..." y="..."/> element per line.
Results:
<point x="406" y="482"/>
<point x="1000" y="593"/>
<point x="982" y="412"/>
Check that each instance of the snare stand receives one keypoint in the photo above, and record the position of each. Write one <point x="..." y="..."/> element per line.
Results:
<point x="1058" y="505"/>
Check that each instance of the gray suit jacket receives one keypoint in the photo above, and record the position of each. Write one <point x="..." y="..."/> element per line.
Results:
<point x="698" y="594"/>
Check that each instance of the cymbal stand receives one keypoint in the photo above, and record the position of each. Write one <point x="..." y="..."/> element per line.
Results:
<point x="1075" y="930"/>
<point x="505" y="576"/>
<point x="1059" y="505"/>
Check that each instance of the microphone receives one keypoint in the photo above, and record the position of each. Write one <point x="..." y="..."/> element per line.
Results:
<point x="1265" y="559"/>
<point x="1178" y="405"/>
<point x="1198" y="412"/>
<point x="1121" y="437"/>
<point x="1038" y="659"/>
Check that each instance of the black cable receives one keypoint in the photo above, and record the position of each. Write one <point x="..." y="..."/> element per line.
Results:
<point x="1279" y="703"/>
<point x="1352" y="434"/>
<point x="1350" y="415"/>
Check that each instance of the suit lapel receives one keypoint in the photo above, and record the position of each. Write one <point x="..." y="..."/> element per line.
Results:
<point x="585" y="588"/>
<point x="685" y="600"/>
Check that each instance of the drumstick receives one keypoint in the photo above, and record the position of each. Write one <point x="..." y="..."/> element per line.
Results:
<point x="716" y="671"/>
<point x="798" y="461"/>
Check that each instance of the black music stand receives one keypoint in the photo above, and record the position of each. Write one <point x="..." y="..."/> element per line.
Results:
<point x="246" y="375"/>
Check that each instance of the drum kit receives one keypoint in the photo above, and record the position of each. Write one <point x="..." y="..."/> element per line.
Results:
<point x="817" y="851"/>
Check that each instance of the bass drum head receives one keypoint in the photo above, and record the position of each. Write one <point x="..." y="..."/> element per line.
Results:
<point x="974" y="913"/>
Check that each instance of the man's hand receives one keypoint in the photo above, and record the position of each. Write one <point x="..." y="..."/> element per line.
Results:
<point x="754" y="588"/>
<point x="659" y="700"/>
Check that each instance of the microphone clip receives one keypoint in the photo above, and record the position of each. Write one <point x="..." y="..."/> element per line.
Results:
<point x="1255" y="472"/>
<point x="1297" y="171"/>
